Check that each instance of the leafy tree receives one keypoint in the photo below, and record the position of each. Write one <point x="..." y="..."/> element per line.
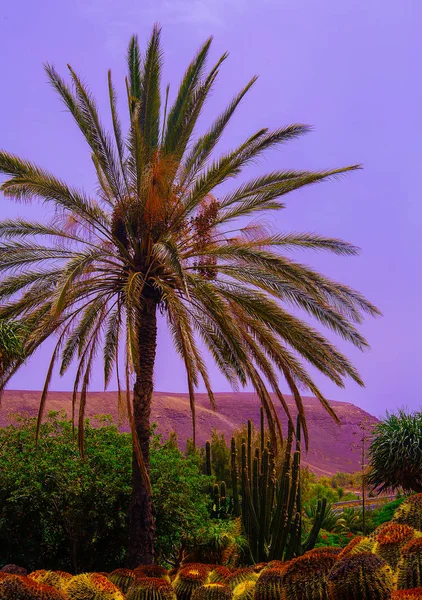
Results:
<point x="160" y="234"/>
<point x="59" y="512"/>
<point x="395" y="453"/>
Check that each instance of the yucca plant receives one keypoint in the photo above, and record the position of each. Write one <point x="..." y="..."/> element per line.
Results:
<point x="395" y="453"/>
<point x="160" y="234"/>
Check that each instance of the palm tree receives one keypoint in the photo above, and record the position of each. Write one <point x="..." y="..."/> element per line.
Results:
<point x="160" y="235"/>
<point x="11" y="345"/>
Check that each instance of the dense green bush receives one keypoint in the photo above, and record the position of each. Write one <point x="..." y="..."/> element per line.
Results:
<point x="59" y="512"/>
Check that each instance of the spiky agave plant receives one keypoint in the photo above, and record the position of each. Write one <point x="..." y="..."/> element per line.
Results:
<point x="160" y="234"/>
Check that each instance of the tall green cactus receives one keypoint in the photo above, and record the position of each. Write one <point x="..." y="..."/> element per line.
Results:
<point x="267" y="498"/>
<point x="271" y="502"/>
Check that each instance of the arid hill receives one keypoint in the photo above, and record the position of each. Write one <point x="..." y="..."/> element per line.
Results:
<point x="330" y="445"/>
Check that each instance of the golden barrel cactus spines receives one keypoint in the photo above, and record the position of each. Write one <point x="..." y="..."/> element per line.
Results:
<point x="390" y="541"/>
<point x="123" y="578"/>
<point x="218" y="574"/>
<point x="409" y="569"/>
<point x="151" y="588"/>
<point x="155" y="571"/>
<point x="56" y="579"/>
<point x="92" y="586"/>
<point x="240" y="575"/>
<point x="20" y="587"/>
<point x="213" y="591"/>
<point x="245" y="590"/>
<point x="325" y="550"/>
<point x="306" y="577"/>
<point x="189" y="578"/>
<point x="410" y="512"/>
<point x="269" y="585"/>
<point x="364" y="576"/>
<point x="412" y="594"/>
<point x="348" y="550"/>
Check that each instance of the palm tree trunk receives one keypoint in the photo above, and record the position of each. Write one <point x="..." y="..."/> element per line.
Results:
<point x="141" y="515"/>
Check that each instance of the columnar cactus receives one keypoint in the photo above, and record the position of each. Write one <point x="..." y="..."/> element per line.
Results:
<point x="92" y="586"/>
<point x="213" y="591"/>
<point x="364" y="576"/>
<point x="306" y="577"/>
<point x="123" y="578"/>
<point x="269" y="585"/>
<point x="390" y="541"/>
<point x="150" y="588"/>
<point x="188" y="579"/>
<point x="409" y="569"/>
<point x="410" y="512"/>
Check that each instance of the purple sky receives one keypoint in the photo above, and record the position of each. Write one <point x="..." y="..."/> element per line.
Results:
<point x="349" y="68"/>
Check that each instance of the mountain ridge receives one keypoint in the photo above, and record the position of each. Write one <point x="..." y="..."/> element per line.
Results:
<point x="330" y="447"/>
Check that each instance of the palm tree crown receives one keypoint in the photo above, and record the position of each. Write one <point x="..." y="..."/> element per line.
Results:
<point x="158" y="231"/>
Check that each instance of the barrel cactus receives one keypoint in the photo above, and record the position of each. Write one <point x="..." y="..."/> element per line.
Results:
<point x="364" y="576"/>
<point x="306" y="577"/>
<point x="56" y="579"/>
<point x="19" y="587"/>
<point x="409" y="569"/>
<point x="123" y="578"/>
<point x="218" y="574"/>
<point x="152" y="571"/>
<point x="410" y="512"/>
<point x="13" y="570"/>
<point x="245" y="590"/>
<point x="189" y="579"/>
<point x="150" y="588"/>
<point x="92" y="586"/>
<point x="269" y="585"/>
<point x="241" y="575"/>
<point x="350" y="548"/>
<point x="390" y="541"/>
<point x="213" y="591"/>
<point x="412" y="594"/>
<point x="325" y="550"/>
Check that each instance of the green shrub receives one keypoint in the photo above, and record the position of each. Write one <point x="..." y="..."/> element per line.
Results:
<point x="363" y="576"/>
<point x="386" y="512"/>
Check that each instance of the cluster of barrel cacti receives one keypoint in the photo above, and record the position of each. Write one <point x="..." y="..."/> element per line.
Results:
<point x="387" y="565"/>
<point x="267" y="499"/>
